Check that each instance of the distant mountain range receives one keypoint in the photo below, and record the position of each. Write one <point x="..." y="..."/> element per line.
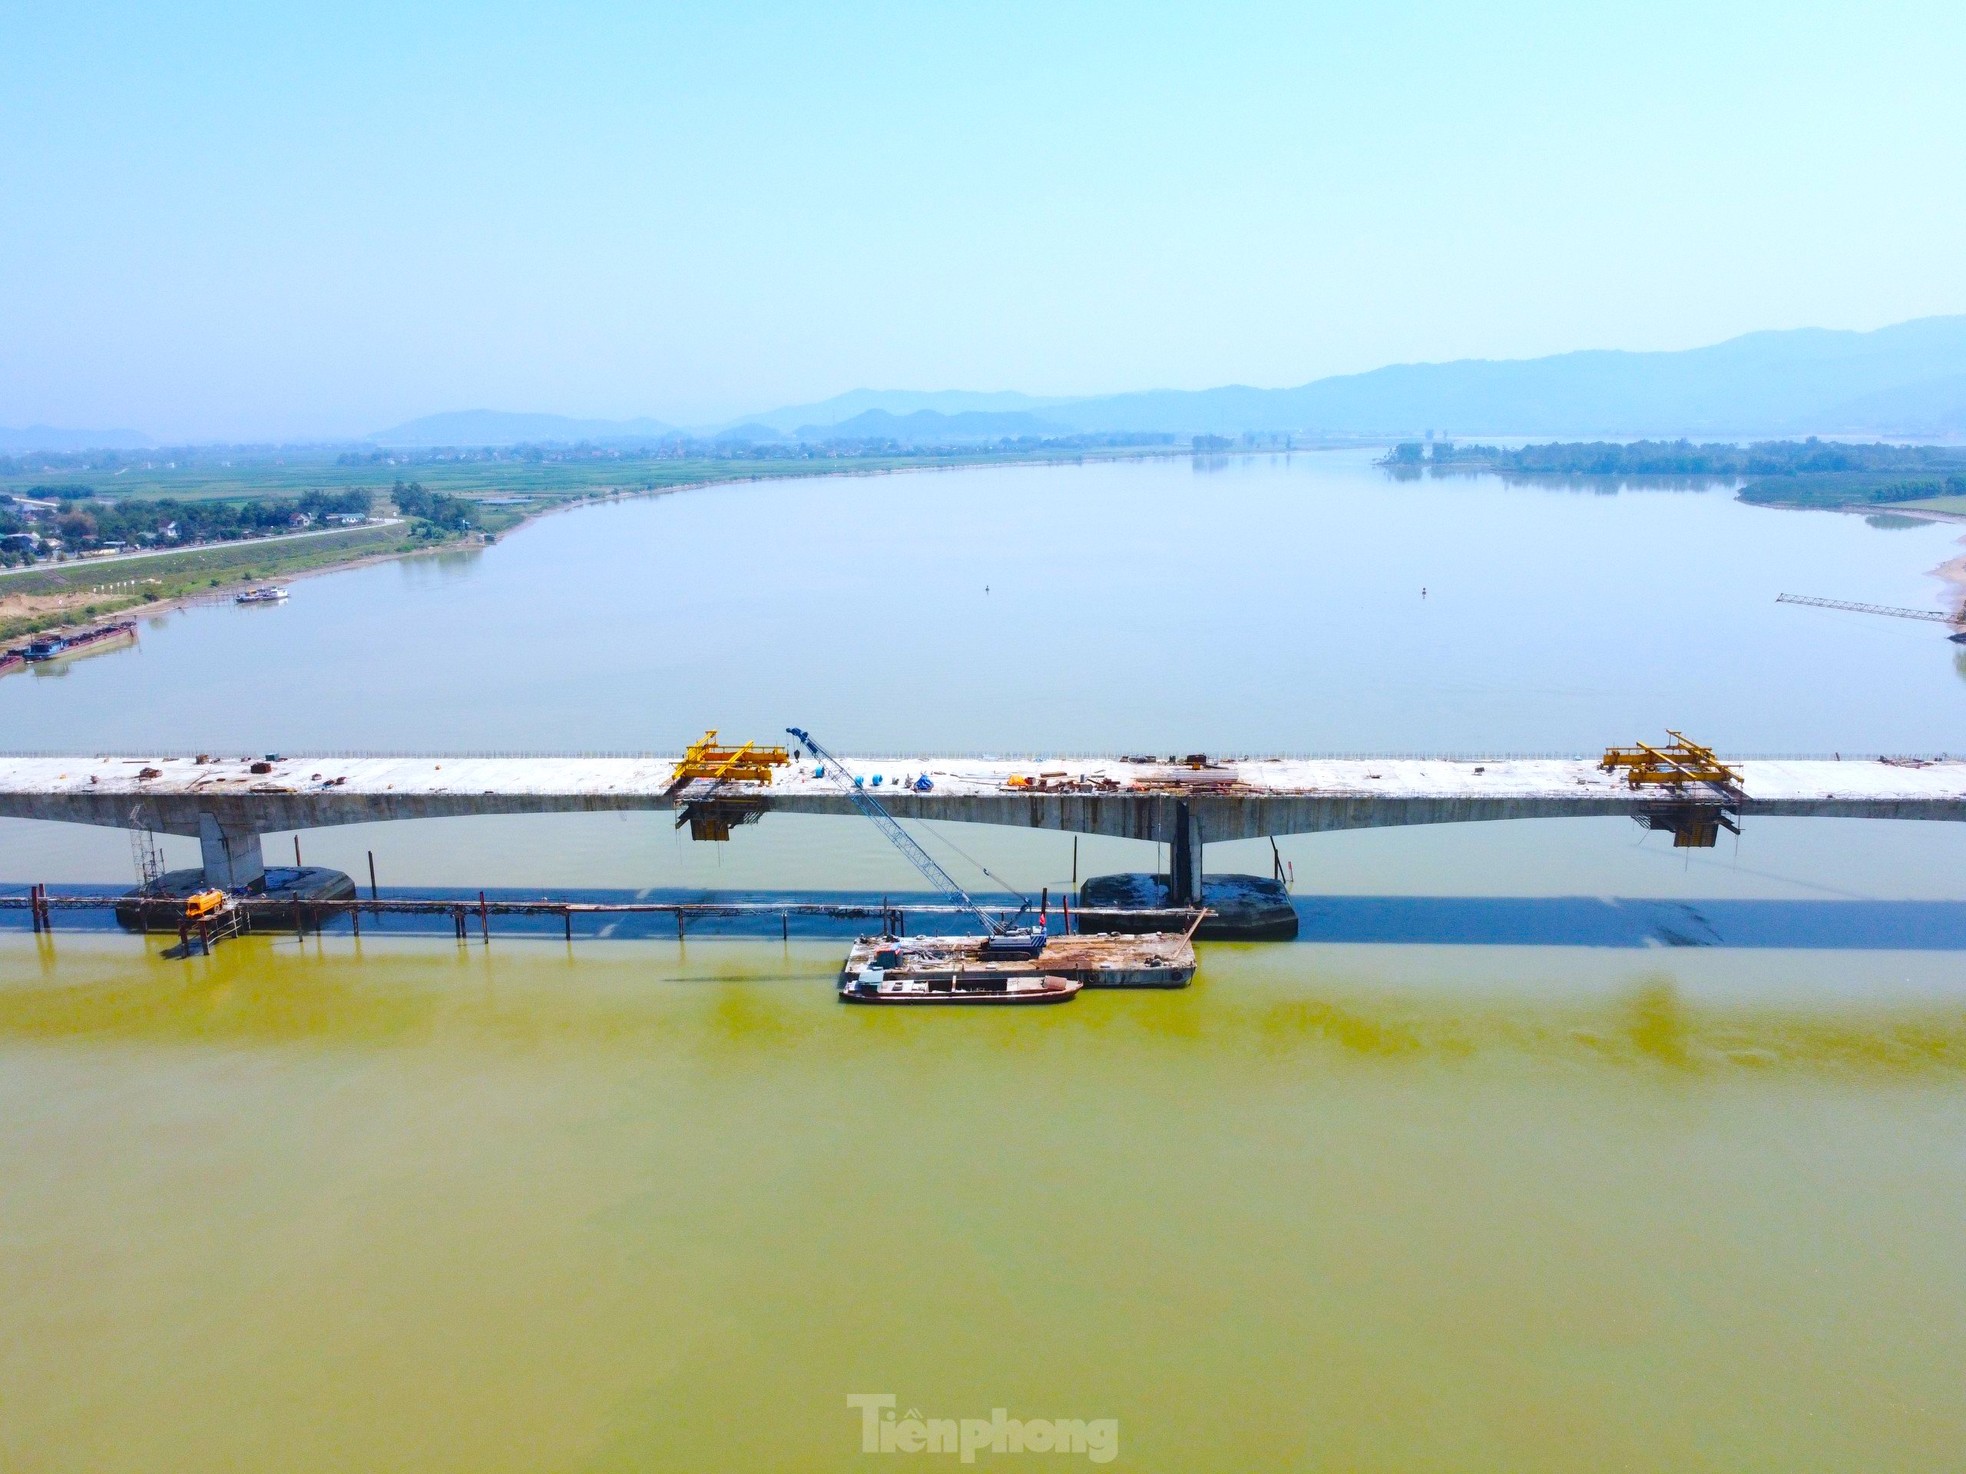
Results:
<point x="1907" y="381"/>
<point x="933" y="427"/>
<point x="904" y="418"/>
<point x="1903" y="382"/>
<point x="496" y="427"/>
<point x="844" y="407"/>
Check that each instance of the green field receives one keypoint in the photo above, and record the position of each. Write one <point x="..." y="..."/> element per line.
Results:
<point x="554" y="479"/>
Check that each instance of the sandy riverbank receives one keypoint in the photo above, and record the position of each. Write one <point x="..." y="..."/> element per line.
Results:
<point x="35" y="606"/>
<point x="1953" y="573"/>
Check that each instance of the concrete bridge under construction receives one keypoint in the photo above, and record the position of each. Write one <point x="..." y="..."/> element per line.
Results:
<point x="228" y="803"/>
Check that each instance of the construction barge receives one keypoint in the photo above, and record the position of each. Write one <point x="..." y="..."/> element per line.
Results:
<point x="54" y="647"/>
<point x="1008" y="962"/>
<point x="43" y="649"/>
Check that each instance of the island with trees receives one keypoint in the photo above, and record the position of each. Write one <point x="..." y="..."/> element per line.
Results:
<point x="1778" y="473"/>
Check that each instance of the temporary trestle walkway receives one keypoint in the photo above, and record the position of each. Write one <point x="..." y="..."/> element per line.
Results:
<point x="281" y="914"/>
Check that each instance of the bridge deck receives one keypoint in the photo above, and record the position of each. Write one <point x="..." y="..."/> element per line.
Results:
<point x="1231" y="799"/>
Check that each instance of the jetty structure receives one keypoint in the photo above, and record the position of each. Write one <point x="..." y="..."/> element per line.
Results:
<point x="228" y="803"/>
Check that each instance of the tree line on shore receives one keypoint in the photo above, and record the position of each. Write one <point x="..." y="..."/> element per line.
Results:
<point x="73" y="520"/>
<point x="85" y="523"/>
<point x="1813" y="473"/>
<point x="1684" y="458"/>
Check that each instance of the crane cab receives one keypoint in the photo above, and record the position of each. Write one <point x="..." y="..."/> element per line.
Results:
<point x="1023" y="944"/>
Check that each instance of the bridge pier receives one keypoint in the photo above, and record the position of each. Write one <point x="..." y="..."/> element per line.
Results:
<point x="1184" y="870"/>
<point x="232" y="854"/>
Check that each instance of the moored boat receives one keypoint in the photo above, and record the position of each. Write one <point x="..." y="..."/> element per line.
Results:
<point x="53" y="647"/>
<point x="1154" y="960"/>
<point x="268" y="593"/>
<point x="880" y="982"/>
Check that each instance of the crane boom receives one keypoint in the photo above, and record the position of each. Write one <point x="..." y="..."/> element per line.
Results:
<point x="905" y="842"/>
<point x="1855" y="608"/>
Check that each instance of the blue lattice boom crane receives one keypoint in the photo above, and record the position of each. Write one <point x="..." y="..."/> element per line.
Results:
<point x="1001" y="938"/>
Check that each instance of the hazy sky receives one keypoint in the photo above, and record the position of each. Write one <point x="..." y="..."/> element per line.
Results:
<point x="263" y="220"/>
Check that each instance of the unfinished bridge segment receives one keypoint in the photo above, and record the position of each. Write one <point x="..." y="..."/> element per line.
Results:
<point x="228" y="803"/>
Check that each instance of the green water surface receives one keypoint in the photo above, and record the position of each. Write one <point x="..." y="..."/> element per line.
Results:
<point x="412" y="1205"/>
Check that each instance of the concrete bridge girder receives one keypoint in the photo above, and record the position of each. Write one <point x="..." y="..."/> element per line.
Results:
<point x="274" y="814"/>
<point x="227" y="805"/>
<point x="1213" y="819"/>
<point x="1119" y="816"/>
<point x="228" y="827"/>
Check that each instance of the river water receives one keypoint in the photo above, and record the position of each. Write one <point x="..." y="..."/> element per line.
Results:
<point x="1550" y="1199"/>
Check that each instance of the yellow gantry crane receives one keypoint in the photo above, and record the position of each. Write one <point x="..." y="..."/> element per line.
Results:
<point x="707" y="810"/>
<point x="1695" y="822"/>
<point x="717" y="763"/>
<point x="1680" y="761"/>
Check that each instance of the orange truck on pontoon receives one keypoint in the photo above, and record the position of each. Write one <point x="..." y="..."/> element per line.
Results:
<point x="201" y="905"/>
